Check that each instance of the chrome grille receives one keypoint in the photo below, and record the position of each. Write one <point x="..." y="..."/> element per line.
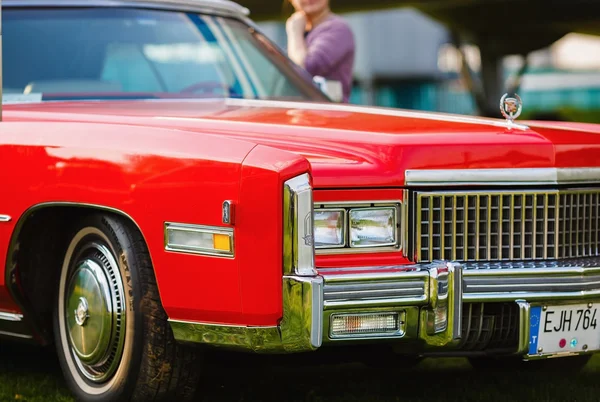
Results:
<point x="492" y="326"/>
<point x="507" y="226"/>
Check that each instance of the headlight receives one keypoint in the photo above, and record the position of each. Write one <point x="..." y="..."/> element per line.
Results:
<point x="373" y="227"/>
<point x="360" y="227"/>
<point x="330" y="228"/>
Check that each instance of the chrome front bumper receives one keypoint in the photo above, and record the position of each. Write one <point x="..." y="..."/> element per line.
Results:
<point x="421" y="293"/>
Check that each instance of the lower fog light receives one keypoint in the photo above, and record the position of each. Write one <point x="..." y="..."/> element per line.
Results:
<point x="367" y="325"/>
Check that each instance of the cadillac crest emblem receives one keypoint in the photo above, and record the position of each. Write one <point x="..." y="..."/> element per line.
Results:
<point x="511" y="108"/>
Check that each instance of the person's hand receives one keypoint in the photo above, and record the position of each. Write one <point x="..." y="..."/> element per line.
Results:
<point x="296" y="24"/>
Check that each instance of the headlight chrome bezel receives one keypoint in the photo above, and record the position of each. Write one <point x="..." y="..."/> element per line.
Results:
<point x="298" y="232"/>
<point x="400" y="226"/>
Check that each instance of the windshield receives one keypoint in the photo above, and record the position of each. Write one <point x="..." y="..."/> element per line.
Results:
<point x="118" y="53"/>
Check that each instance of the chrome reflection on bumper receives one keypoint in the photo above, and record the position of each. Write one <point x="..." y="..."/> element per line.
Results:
<point x="523" y="345"/>
<point x="532" y="284"/>
<point x="377" y="287"/>
<point x="429" y="298"/>
<point x="417" y="290"/>
<point x="299" y="331"/>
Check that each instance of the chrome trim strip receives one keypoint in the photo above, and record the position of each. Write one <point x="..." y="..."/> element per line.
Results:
<point x="531" y="284"/>
<point x="523" y="345"/>
<point x="484" y="266"/>
<point x="531" y="296"/>
<point x="257" y="339"/>
<point x="502" y="177"/>
<point x="404" y="226"/>
<point x="574" y="271"/>
<point x="374" y="274"/>
<point x="377" y="111"/>
<point x="458" y="301"/>
<point x="218" y="6"/>
<point x="5" y="218"/>
<point x="11" y="317"/>
<point x="15" y="335"/>
<point x="316" y="315"/>
<point x="403" y="295"/>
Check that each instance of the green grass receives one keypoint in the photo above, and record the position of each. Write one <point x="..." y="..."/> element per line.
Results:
<point x="566" y="114"/>
<point x="32" y="374"/>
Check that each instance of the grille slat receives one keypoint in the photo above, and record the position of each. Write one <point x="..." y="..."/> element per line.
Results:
<point x="511" y="227"/>
<point x="544" y="234"/>
<point x="508" y="226"/>
<point x="489" y="327"/>
<point x="597" y="231"/>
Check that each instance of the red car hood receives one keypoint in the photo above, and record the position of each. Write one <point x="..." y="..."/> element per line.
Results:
<point x="348" y="146"/>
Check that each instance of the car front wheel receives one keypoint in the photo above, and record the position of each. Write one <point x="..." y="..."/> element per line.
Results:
<point x="113" y="339"/>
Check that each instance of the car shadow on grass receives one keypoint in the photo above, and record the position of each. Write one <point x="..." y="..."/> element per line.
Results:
<point x="252" y="378"/>
<point x="33" y="374"/>
<point x="30" y="373"/>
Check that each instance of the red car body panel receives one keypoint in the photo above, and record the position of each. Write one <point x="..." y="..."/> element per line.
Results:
<point x="145" y="172"/>
<point x="178" y="161"/>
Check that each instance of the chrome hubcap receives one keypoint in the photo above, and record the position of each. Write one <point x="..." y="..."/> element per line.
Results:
<point x="81" y="314"/>
<point x="94" y="311"/>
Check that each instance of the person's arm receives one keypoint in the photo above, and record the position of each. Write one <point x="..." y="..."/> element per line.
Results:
<point x="328" y="49"/>
<point x="295" y="27"/>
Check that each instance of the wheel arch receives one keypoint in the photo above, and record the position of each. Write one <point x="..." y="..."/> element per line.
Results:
<point x="21" y="291"/>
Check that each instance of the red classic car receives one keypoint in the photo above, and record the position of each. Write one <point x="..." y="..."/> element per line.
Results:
<point x="171" y="182"/>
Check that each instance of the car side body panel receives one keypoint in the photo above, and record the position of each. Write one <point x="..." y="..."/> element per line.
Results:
<point x="154" y="176"/>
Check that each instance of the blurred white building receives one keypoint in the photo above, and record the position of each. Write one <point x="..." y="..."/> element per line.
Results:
<point x="405" y="59"/>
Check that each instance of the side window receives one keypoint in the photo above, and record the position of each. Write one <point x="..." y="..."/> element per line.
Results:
<point x="125" y="63"/>
<point x="262" y="71"/>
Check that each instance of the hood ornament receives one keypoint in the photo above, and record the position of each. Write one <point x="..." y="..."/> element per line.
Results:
<point x="511" y="108"/>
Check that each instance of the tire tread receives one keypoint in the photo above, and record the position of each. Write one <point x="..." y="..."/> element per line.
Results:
<point x="170" y="371"/>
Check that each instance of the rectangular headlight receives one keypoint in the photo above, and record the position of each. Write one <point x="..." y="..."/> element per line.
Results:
<point x="330" y="228"/>
<point x="196" y="239"/>
<point x="373" y="227"/>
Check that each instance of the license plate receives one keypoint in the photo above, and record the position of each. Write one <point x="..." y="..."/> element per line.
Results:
<point x="564" y="329"/>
